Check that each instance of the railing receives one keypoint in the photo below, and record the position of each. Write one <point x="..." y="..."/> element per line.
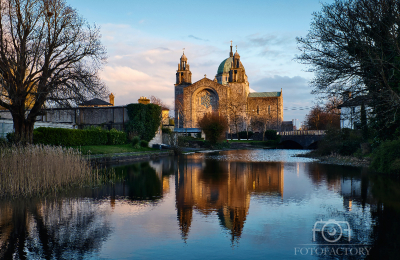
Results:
<point x="302" y="132"/>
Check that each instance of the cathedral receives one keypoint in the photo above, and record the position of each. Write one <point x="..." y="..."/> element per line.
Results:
<point x="228" y="94"/>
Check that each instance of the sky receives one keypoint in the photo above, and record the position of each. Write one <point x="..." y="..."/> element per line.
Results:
<point x="145" y="40"/>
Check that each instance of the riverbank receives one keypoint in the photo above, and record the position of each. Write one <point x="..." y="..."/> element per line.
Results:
<point x="338" y="159"/>
<point x="115" y="158"/>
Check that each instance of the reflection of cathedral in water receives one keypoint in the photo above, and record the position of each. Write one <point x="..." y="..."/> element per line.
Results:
<point x="224" y="188"/>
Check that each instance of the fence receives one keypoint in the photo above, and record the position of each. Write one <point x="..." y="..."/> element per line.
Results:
<point x="302" y="132"/>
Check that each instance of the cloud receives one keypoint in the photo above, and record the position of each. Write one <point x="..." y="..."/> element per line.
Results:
<point x="123" y="74"/>
<point x="197" y="38"/>
<point x="271" y="39"/>
<point x="140" y="64"/>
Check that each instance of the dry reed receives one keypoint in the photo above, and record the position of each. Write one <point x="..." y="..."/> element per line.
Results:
<point x="34" y="169"/>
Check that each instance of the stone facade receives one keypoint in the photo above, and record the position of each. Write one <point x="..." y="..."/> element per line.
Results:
<point x="229" y="95"/>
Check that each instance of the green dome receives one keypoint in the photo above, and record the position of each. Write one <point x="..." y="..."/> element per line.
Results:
<point x="225" y="66"/>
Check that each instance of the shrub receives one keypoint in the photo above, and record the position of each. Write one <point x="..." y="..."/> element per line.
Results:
<point x="386" y="158"/>
<point x="3" y="141"/>
<point x="116" y="137"/>
<point x="344" y="142"/>
<point x="144" y="120"/>
<point x="214" y="126"/>
<point x="243" y="134"/>
<point x="135" y="141"/>
<point x="10" y="137"/>
<point x="271" y="135"/>
<point x="144" y="143"/>
<point x="166" y="130"/>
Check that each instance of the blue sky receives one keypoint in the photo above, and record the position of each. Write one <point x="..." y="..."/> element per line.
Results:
<point x="145" y="39"/>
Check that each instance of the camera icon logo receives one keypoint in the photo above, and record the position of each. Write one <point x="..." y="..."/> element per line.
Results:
<point x="332" y="230"/>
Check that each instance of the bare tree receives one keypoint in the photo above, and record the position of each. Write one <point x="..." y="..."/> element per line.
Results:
<point x="49" y="54"/>
<point x="158" y="101"/>
<point x="353" y="45"/>
<point x="234" y="107"/>
<point x="180" y="112"/>
<point x="262" y="122"/>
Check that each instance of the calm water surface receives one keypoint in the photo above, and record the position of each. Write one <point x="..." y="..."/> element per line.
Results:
<point x="249" y="204"/>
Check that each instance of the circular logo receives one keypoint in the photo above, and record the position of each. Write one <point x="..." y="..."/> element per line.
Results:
<point x="331" y="232"/>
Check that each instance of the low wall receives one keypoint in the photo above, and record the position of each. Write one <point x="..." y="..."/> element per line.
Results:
<point x="7" y="126"/>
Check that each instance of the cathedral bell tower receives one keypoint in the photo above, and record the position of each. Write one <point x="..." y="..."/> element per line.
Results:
<point x="183" y="74"/>
<point x="236" y="73"/>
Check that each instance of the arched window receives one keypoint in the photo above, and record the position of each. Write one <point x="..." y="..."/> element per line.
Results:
<point x="258" y="110"/>
<point x="269" y="109"/>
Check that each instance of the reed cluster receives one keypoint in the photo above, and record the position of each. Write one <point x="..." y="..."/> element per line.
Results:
<point x="29" y="170"/>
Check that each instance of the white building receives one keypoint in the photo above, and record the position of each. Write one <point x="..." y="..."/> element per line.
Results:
<point x="350" y="111"/>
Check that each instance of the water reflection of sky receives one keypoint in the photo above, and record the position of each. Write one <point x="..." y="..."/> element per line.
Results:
<point x="238" y="205"/>
<point x="278" y="215"/>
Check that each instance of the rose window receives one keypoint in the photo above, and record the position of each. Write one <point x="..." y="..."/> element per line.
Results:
<point x="206" y="100"/>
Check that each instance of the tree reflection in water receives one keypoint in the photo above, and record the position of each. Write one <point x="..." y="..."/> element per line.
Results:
<point x="51" y="229"/>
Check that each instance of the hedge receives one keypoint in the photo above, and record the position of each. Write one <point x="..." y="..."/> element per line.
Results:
<point x="77" y="137"/>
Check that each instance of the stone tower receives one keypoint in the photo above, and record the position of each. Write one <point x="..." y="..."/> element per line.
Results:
<point x="183" y="79"/>
<point x="183" y="74"/>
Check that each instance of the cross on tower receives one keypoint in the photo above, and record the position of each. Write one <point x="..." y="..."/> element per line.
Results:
<point x="231" y="43"/>
<point x="183" y="50"/>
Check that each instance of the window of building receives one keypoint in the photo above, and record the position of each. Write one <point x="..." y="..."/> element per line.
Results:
<point x="269" y="109"/>
<point x="258" y="110"/>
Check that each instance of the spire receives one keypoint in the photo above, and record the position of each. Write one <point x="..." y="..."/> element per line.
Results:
<point x="231" y="53"/>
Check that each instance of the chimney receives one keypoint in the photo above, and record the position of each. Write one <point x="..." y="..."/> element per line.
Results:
<point x="144" y="100"/>
<point x="111" y="96"/>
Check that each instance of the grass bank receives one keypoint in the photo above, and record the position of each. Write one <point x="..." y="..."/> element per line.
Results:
<point x="111" y="149"/>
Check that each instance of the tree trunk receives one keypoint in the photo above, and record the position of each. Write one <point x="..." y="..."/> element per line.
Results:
<point x="237" y="133"/>
<point x="23" y="129"/>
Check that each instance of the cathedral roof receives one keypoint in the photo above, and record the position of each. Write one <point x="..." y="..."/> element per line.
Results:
<point x="264" y="94"/>
<point x="225" y="66"/>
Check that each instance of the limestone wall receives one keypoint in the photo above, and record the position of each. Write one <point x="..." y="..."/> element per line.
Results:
<point x="267" y="109"/>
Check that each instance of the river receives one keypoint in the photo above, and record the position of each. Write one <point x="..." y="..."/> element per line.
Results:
<point x="249" y="204"/>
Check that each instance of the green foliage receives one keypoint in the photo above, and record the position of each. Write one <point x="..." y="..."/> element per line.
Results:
<point x="11" y="137"/>
<point x="214" y="126"/>
<point x="344" y="142"/>
<point x="183" y="141"/>
<point x="243" y="134"/>
<point x="144" y="120"/>
<point x="116" y="137"/>
<point x="144" y="143"/>
<point x="135" y="141"/>
<point x="77" y="137"/>
<point x="3" y="141"/>
<point x="386" y="158"/>
<point x="271" y="135"/>
<point x="166" y="130"/>
<point x="198" y="135"/>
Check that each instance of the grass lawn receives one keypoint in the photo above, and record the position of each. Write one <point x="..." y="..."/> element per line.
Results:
<point x="107" y="149"/>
